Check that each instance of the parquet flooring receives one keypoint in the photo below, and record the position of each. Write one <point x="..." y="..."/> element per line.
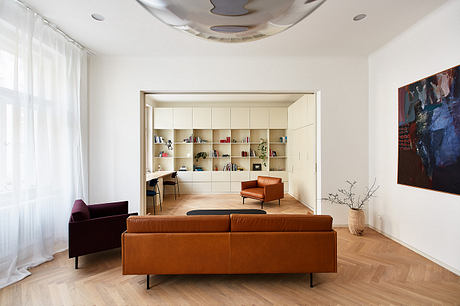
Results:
<point x="372" y="270"/>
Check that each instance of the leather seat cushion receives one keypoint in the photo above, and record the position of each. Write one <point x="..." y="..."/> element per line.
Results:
<point x="253" y="193"/>
<point x="178" y="224"/>
<point x="280" y="223"/>
<point x="267" y="180"/>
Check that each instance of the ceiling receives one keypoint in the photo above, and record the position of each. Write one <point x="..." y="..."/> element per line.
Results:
<point x="129" y="30"/>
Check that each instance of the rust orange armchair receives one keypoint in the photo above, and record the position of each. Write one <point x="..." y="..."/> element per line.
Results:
<point x="265" y="189"/>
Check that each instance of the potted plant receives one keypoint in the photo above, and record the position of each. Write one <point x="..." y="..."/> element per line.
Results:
<point x="262" y="148"/>
<point x="356" y="220"/>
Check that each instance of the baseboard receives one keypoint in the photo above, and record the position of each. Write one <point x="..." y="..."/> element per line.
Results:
<point x="442" y="264"/>
<point x="305" y="204"/>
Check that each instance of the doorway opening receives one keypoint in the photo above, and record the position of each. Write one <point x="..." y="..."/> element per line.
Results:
<point x="214" y="141"/>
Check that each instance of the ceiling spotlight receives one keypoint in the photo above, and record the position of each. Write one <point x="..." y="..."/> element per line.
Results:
<point x="231" y="20"/>
<point x="359" y="17"/>
<point x="97" y="17"/>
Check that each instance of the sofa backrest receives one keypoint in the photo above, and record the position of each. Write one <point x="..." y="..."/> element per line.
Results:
<point x="280" y="223"/>
<point x="178" y="224"/>
<point x="267" y="180"/>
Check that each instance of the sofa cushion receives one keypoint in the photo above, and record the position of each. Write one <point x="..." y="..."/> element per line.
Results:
<point x="80" y="211"/>
<point x="253" y="193"/>
<point x="280" y="223"/>
<point x="178" y="224"/>
<point x="266" y="180"/>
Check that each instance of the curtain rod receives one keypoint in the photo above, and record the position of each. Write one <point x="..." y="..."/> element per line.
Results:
<point x="56" y="28"/>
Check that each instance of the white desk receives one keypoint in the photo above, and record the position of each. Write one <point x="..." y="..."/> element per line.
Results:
<point x="157" y="175"/>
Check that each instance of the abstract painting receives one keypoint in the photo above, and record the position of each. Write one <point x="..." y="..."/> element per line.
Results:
<point x="429" y="132"/>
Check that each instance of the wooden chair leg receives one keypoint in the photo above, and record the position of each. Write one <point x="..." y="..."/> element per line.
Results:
<point x="76" y="262"/>
<point x="178" y="190"/>
<point x="174" y="191"/>
<point x="279" y="202"/>
<point x="311" y="280"/>
<point x="243" y="199"/>
<point x="262" y="205"/>
<point x="148" y="282"/>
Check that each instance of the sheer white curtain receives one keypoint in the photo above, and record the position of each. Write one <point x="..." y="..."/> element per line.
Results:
<point x="41" y="169"/>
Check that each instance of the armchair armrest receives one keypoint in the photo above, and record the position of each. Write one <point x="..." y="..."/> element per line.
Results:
<point x="108" y="209"/>
<point x="273" y="192"/>
<point x="248" y="184"/>
<point x="96" y="234"/>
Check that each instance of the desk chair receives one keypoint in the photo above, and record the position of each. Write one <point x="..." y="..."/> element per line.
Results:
<point x="174" y="183"/>
<point x="153" y="192"/>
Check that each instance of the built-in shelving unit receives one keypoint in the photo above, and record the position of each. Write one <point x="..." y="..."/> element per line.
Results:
<point x="229" y="136"/>
<point x="238" y="150"/>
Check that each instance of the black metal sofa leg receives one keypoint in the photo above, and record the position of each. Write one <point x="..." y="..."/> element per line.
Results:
<point x="148" y="281"/>
<point x="76" y="262"/>
<point x="243" y="199"/>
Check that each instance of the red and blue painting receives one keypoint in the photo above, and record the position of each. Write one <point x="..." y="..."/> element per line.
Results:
<point x="429" y="132"/>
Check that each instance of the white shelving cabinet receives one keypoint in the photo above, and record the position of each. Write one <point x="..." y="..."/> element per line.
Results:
<point x="227" y="135"/>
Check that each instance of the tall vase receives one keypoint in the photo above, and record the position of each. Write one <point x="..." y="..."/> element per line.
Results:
<point x="356" y="221"/>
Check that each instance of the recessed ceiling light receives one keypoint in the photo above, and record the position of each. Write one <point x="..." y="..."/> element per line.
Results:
<point x="97" y="17"/>
<point x="359" y="17"/>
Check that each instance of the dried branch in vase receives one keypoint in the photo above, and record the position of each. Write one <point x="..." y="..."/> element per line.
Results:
<point x="348" y="197"/>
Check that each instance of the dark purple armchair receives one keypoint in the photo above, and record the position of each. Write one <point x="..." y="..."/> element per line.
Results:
<point x="94" y="228"/>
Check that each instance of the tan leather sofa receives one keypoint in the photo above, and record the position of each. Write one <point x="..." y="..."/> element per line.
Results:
<point x="235" y="244"/>
<point x="265" y="189"/>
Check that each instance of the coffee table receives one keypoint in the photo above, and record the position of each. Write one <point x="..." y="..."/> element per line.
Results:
<point x="225" y="212"/>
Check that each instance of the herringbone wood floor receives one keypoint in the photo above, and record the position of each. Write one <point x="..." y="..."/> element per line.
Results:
<point x="371" y="270"/>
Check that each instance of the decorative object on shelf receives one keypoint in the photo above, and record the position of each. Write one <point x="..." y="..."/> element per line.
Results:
<point x="159" y="139"/>
<point x="231" y="20"/>
<point x="199" y="155"/>
<point x="169" y="144"/>
<point x="256" y="167"/>
<point x="356" y="220"/>
<point x="262" y="148"/>
<point x="159" y="167"/>
<point x="183" y="168"/>
<point x="189" y="139"/>
<point x="429" y="133"/>
<point x="163" y="154"/>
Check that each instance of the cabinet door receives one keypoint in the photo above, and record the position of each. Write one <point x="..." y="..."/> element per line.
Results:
<point x="281" y="174"/>
<point x="202" y="187"/>
<point x="202" y="176"/>
<point x="163" y="118"/>
<point x="255" y="174"/>
<point x="239" y="176"/>
<point x="183" y="118"/>
<point x="201" y="118"/>
<point x="258" y="118"/>
<point x="221" y="118"/>
<point x="220" y="176"/>
<point x="239" y="118"/>
<point x="278" y="118"/>
<point x="185" y="176"/>
<point x="221" y="187"/>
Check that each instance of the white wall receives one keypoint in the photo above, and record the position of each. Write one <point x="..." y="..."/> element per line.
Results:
<point x="424" y="220"/>
<point x="114" y="111"/>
